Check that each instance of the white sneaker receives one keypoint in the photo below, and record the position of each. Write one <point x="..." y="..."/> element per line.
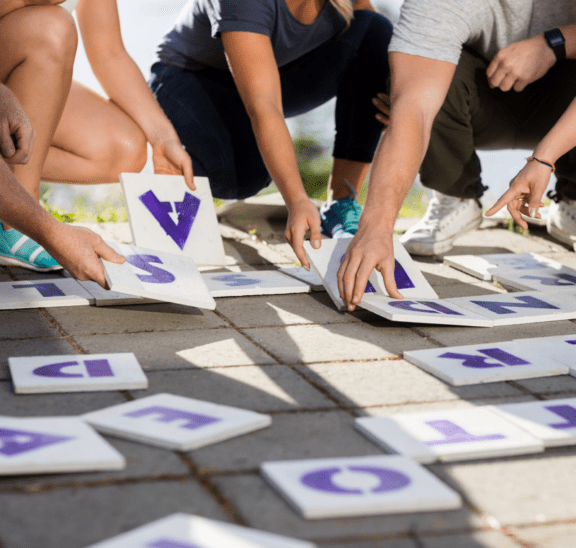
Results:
<point x="561" y="221"/>
<point x="446" y="219"/>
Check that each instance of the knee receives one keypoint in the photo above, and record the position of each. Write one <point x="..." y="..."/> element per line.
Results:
<point x="127" y="153"/>
<point x="50" y="35"/>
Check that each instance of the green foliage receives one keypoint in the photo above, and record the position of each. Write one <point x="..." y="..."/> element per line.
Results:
<point x="85" y="210"/>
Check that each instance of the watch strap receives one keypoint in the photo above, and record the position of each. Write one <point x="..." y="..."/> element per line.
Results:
<point x="555" y="40"/>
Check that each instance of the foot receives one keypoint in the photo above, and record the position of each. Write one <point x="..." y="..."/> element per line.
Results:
<point x="561" y="221"/>
<point x="19" y="250"/>
<point x="446" y="219"/>
<point x="339" y="218"/>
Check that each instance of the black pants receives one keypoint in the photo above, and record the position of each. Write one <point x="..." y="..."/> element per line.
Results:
<point x="207" y="112"/>
<point x="474" y="116"/>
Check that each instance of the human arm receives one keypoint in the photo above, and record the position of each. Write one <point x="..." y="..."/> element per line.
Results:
<point x="526" y="189"/>
<point x="76" y="249"/>
<point x="125" y="85"/>
<point x="524" y="62"/>
<point x="253" y="66"/>
<point x="419" y="87"/>
<point x="16" y="131"/>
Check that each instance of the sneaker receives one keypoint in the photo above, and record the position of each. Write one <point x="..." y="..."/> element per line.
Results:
<point x="339" y="218"/>
<point x="446" y="219"/>
<point x="561" y="221"/>
<point x="19" y="250"/>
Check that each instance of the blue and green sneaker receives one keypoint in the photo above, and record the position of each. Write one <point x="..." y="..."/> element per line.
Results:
<point x="339" y="219"/>
<point x="16" y="249"/>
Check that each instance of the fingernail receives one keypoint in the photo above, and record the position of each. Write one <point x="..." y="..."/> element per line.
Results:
<point x="533" y="212"/>
<point x="8" y="151"/>
<point x="355" y="299"/>
<point x="316" y="244"/>
<point x="374" y="100"/>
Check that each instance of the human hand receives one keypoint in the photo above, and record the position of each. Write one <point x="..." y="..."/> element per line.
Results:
<point x="520" y="64"/>
<point x="16" y="132"/>
<point x="79" y="251"/>
<point x="382" y="103"/>
<point x="303" y="216"/>
<point x="524" y="197"/>
<point x="368" y="250"/>
<point x="170" y="158"/>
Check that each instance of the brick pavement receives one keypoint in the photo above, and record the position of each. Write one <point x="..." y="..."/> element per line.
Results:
<point x="314" y="370"/>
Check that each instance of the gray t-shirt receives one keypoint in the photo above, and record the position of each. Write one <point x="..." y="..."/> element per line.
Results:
<point x="195" y="43"/>
<point x="437" y="29"/>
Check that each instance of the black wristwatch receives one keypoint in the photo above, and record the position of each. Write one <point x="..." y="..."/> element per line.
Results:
<point x="556" y="41"/>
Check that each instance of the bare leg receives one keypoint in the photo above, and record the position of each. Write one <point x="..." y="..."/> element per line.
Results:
<point x="95" y="141"/>
<point x="38" y="45"/>
<point x="353" y="172"/>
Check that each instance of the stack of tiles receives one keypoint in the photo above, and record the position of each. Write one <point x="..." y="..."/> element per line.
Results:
<point x="449" y="435"/>
<point x="53" y="444"/>
<point x="158" y="275"/>
<point x="359" y="486"/>
<point x="187" y="531"/>
<point x="44" y="374"/>
<point x="326" y="262"/>
<point x="483" y="363"/>
<point x="175" y="422"/>
<point x="164" y="214"/>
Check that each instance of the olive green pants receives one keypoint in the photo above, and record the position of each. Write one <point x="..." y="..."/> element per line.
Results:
<point x="474" y="116"/>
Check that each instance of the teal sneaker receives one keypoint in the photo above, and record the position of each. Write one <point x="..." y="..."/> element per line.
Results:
<point x="339" y="219"/>
<point x="19" y="250"/>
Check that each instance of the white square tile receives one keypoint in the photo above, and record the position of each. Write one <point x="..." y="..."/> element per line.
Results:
<point x="53" y="444"/>
<point x="307" y="276"/>
<point x="430" y="311"/>
<point x="105" y="297"/>
<point x="359" y="486"/>
<point x="76" y="373"/>
<point x="175" y="422"/>
<point x="43" y="294"/>
<point x="484" y="266"/>
<point x="561" y="348"/>
<point x="482" y="363"/>
<point x="255" y="282"/>
<point x="551" y="421"/>
<point x="158" y="275"/>
<point x="542" y="279"/>
<point x="188" y="531"/>
<point x="519" y="308"/>
<point x="165" y="214"/>
<point x="449" y="435"/>
<point x="326" y="262"/>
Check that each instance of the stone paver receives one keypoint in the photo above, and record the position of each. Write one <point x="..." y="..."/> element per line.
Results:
<point x="180" y="349"/>
<point x="316" y="343"/>
<point x="520" y="490"/>
<point x="89" y="320"/>
<point x="281" y="310"/>
<point x="313" y="369"/>
<point x="490" y="539"/>
<point x="291" y="437"/>
<point x="393" y="382"/>
<point x="560" y="535"/>
<point x="26" y="324"/>
<point x="269" y="388"/>
<point x="77" y="517"/>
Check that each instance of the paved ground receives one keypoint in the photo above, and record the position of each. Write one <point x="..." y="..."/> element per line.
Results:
<point x="314" y="370"/>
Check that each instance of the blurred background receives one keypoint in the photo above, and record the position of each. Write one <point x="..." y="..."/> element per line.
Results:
<point x="144" y="22"/>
